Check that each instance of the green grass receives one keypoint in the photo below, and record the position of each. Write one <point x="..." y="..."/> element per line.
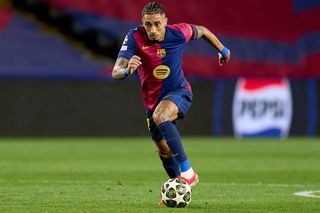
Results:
<point x="125" y="175"/>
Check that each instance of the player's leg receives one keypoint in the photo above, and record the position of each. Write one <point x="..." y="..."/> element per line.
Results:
<point x="185" y="167"/>
<point x="169" y="162"/>
<point x="164" y="116"/>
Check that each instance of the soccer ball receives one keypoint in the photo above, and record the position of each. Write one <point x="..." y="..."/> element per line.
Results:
<point x="176" y="193"/>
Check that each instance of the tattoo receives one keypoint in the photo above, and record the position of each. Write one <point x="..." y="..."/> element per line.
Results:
<point x="208" y="36"/>
<point x="122" y="63"/>
<point x="118" y="69"/>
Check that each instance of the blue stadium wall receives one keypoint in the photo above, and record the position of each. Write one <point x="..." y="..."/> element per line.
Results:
<point x="96" y="108"/>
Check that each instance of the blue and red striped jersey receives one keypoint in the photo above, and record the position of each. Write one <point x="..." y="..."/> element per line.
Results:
<point x="161" y="69"/>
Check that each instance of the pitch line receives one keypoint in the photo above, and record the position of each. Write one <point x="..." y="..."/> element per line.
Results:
<point x="308" y="194"/>
<point x="273" y="185"/>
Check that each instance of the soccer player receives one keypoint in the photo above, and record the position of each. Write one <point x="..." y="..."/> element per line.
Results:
<point x="155" y="51"/>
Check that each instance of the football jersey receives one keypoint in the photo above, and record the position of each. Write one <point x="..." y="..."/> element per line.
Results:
<point x="161" y="69"/>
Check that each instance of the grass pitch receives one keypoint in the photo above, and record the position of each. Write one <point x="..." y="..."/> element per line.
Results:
<point x="125" y="175"/>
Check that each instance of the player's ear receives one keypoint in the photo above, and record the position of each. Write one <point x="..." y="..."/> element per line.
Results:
<point x="165" y="21"/>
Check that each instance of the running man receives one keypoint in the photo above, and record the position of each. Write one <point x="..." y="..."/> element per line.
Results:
<point x="155" y="51"/>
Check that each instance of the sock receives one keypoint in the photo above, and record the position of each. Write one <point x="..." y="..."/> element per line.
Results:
<point x="186" y="170"/>
<point x="184" y="166"/>
<point x="170" y="132"/>
<point x="171" y="166"/>
<point x="188" y="174"/>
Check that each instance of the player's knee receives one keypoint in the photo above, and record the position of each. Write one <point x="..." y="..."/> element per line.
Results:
<point x="159" y="118"/>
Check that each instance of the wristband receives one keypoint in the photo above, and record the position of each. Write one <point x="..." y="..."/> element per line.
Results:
<point x="125" y="72"/>
<point x="224" y="52"/>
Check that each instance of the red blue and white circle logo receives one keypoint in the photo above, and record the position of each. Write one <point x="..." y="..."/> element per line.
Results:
<point x="262" y="107"/>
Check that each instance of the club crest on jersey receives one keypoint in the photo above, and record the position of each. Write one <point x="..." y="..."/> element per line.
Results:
<point x="161" y="52"/>
<point x="161" y="72"/>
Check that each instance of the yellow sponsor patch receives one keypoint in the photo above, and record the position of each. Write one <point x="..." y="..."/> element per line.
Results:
<point x="161" y="72"/>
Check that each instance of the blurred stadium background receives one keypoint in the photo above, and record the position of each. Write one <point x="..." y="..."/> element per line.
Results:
<point x="56" y="59"/>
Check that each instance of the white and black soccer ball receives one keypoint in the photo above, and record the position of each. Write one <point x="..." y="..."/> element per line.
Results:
<point x="176" y="193"/>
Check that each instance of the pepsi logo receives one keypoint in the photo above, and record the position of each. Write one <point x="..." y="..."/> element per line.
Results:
<point x="262" y="107"/>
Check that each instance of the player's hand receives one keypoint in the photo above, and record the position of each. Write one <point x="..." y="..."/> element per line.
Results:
<point x="222" y="59"/>
<point x="133" y="64"/>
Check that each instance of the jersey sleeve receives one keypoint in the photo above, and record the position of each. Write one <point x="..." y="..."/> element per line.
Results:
<point x="128" y="47"/>
<point x="188" y="30"/>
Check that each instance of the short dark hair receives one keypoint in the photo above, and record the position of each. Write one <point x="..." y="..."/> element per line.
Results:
<point x="153" y="8"/>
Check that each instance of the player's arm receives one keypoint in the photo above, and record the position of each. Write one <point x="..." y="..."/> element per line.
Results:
<point x="124" y="67"/>
<point x="224" y="53"/>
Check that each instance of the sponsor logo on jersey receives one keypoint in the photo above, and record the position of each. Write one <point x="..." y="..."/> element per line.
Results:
<point x="161" y="52"/>
<point x="161" y="72"/>
<point x="145" y="47"/>
<point x="262" y="107"/>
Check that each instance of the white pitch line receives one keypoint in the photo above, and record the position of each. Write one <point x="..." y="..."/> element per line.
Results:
<point x="308" y="194"/>
<point x="274" y="185"/>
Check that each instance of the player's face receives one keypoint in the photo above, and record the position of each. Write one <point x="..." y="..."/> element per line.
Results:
<point x="154" y="24"/>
